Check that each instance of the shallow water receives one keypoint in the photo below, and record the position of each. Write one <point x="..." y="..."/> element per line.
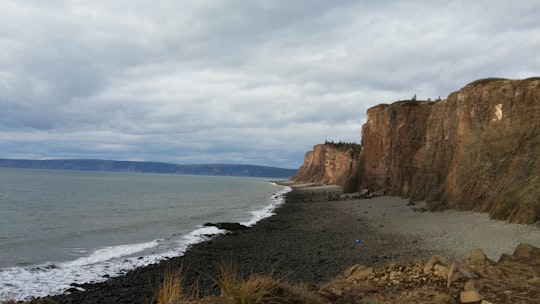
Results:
<point x="61" y="227"/>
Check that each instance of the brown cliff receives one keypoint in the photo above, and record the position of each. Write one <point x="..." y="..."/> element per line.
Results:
<point x="476" y="150"/>
<point x="331" y="164"/>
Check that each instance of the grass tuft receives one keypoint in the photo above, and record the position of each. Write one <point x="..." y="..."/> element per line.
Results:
<point x="256" y="289"/>
<point x="236" y="289"/>
<point x="170" y="290"/>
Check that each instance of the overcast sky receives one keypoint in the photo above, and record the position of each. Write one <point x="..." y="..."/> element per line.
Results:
<point x="237" y="81"/>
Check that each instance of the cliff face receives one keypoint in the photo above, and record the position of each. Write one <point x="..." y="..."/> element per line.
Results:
<point x="328" y="164"/>
<point x="391" y="137"/>
<point x="477" y="150"/>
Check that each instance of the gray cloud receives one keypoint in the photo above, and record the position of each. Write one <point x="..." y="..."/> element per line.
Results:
<point x="236" y="81"/>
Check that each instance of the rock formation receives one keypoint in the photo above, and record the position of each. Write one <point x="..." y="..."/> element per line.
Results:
<point x="331" y="164"/>
<point x="476" y="150"/>
<point x="227" y="226"/>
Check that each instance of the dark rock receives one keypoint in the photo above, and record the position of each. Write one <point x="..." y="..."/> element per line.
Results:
<point x="227" y="226"/>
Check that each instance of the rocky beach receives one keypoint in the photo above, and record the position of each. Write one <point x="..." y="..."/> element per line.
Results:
<point x="319" y="233"/>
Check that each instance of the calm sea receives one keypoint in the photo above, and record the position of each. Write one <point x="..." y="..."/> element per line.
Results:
<point x="63" y="227"/>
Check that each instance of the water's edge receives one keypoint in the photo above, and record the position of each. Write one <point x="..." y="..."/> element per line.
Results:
<point x="56" y="278"/>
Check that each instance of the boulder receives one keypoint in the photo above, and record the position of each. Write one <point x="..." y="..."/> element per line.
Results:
<point x="440" y="271"/>
<point x="526" y="251"/>
<point x="470" y="296"/>
<point x="434" y="260"/>
<point x="477" y="257"/>
<point x="470" y="285"/>
<point x="227" y="226"/>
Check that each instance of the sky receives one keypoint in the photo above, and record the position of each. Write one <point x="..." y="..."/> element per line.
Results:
<point x="237" y="81"/>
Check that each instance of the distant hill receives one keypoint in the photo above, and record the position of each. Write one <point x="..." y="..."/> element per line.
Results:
<point x="149" y="167"/>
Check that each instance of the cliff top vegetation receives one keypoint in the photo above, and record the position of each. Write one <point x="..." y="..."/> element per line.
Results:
<point x="354" y="148"/>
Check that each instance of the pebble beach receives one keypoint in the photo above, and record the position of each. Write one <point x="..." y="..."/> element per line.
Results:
<point x="313" y="237"/>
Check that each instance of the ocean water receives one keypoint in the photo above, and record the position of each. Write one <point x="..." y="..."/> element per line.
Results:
<point x="64" y="227"/>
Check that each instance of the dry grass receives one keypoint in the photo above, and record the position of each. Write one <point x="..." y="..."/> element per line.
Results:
<point x="237" y="289"/>
<point x="486" y="80"/>
<point x="300" y="293"/>
<point x="256" y="289"/>
<point x="498" y="171"/>
<point x="170" y="290"/>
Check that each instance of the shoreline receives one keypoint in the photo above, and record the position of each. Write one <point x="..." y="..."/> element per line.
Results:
<point x="312" y="239"/>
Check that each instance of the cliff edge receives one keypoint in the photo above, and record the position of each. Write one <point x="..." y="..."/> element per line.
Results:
<point x="476" y="150"/>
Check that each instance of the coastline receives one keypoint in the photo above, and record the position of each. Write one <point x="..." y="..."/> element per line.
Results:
<point x="312" y="239"/>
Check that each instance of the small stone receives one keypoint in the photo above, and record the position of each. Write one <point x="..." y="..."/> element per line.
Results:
<point x="452" y="276"/>
<point x="466" y="271"/>
<point x="434" y="260"/>
<point x="470" y="285"/>
<point x="485" y="302"/>
<point x="477" y="257"/>
<point x="470" y="296"/>
<point x="440" y="271"/>
<point x="524" y="250"/>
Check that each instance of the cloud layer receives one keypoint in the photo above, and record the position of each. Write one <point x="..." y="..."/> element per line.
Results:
<point x="236" y="81"/>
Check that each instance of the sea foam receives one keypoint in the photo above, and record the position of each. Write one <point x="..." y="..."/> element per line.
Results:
<point x="26" y="282"/>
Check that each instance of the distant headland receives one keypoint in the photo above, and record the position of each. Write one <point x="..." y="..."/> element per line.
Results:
<point x="150" y="167"/>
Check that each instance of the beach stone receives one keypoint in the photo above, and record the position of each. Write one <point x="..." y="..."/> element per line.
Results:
<point x="525" y="250"/>
<point x="434" y="260"/>
<point x="363" y="193"/>
<point x="477" y="257"/>
<point x="357" y="272"/>
<point x="227" y="226"/>
<point x="440" y="271"/>
<point x="452" y="276"/>
<point x="470" y="285"/>
<point x="470" y="296"/>
<point x="466" y="271"/>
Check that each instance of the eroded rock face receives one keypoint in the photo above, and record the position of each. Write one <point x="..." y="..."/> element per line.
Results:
<point x="391" y="138"/>
<point x="328" y="164"/>
<point x="476" y="150"/>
